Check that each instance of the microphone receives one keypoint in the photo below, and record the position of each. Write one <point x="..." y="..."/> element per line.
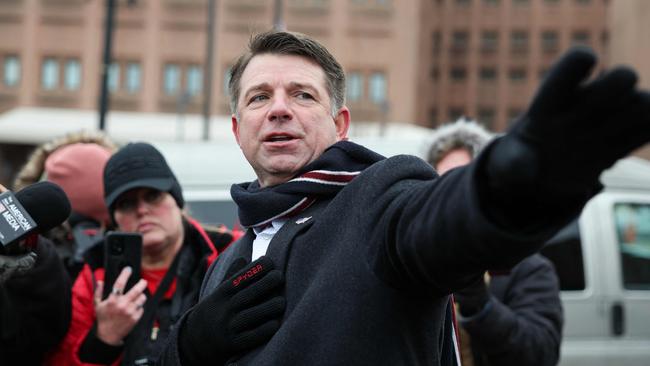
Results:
<point x="36" y="208"/>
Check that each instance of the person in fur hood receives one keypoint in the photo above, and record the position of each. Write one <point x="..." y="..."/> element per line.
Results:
<point x="75" y="162"/>
<point x="507" y="317"/>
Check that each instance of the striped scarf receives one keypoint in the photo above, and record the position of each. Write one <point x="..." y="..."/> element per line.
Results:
<point x="322" y="178"/>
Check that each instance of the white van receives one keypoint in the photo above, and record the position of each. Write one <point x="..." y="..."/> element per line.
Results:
<point x="603" y="261"/>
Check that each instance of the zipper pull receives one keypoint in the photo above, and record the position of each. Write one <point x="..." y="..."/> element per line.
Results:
<point x="154" y="332"/>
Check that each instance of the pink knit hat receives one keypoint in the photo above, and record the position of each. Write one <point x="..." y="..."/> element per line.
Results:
<point x="78" y="169"/>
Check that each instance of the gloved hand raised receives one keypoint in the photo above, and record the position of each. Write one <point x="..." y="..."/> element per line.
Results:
<point x="241" y="314"/>
<point x="572" y="131"/>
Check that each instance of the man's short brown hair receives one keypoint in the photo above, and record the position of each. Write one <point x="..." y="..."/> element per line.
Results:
<point x="295" y="44"/>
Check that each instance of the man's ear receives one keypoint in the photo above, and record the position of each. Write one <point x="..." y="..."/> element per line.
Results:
<point x="235" y="128"/>
<point x="342" y="123"/>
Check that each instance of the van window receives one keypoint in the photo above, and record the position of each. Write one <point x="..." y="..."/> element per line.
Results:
<point x="214" y="212"/>
<point x="633" y="233"/>
<point x="565" y="251"/>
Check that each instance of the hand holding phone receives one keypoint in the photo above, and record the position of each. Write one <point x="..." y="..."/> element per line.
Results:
<point x="119" y="312"/>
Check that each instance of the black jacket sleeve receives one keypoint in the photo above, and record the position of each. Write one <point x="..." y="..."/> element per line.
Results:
<point x="35" y="309"/>
<point x="523" y="325"/>
<point x="435" y="233"/>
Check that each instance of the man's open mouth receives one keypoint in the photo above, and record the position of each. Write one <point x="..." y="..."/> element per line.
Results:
<point x="279" y="138"/>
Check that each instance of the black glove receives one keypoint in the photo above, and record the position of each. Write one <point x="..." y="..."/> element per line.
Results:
<point x="15" y="264"/>
<point x="241" y="314"/>
<point x="552" y="158"/>
<point x="472" y="299"/>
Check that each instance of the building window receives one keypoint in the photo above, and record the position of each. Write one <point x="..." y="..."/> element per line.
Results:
<point x="354" y="87"/>
<point x="182" y="78"/>
<point x="458" y="74"/>
<point x="489" y="41"/>
<point x="379" y="3"/>
<point x="550" y="41"/>
<point x="113" y="77"/>
<point x="377" y="88"/>
<point x="171" y="79"/>
<point x="133" y="77"/>
<point x="488" y="74"/>
<point x="581" y="38"/>
<point x="517" y="74"/>
<point x="194" y="80"/>
<point x="50" y="74"/>
<point x="72" y="75"/>
<point x="519" y="41"/>
<point x="460" y="41"/>
<point x="11" y="71"/>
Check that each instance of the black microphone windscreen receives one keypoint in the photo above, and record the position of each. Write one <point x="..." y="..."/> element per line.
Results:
<point x="46" y="203"/>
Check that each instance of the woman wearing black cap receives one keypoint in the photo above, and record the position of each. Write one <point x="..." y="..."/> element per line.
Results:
<point x="143" y="196"/>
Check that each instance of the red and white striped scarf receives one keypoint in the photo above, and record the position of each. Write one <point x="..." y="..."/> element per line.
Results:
<point x="322" y="178"/>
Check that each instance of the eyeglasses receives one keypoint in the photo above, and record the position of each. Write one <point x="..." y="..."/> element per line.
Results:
<point x="129" y="201"/>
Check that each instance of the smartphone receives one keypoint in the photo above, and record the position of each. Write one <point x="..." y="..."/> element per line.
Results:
<point x="121" y="250"/>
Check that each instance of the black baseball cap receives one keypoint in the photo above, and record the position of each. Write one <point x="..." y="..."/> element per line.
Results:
<point x="139" y="165"/>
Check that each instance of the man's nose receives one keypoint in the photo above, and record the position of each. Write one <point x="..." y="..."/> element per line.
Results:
<point x="280" y="110"/>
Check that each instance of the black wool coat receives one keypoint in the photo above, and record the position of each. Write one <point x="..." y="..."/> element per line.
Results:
<point x="369" y="271"/>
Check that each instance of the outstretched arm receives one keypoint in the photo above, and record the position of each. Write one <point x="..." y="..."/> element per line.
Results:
<point x="444" y="233"/>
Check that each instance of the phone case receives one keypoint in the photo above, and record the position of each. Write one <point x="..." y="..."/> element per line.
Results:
<point x="121" y="250"/>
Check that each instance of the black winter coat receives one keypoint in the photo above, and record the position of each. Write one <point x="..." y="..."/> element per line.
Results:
<point x="523" y="325"/>
<point x="35" y="309"/>
<point x="369" y="272"/>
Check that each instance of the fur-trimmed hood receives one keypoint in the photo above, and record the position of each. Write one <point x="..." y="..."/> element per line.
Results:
<point x="462" y="134"/>
<point x="33" y="169"/>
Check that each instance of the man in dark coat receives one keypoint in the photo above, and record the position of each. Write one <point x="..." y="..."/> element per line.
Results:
<point x="507" y="318"/>
<point x="371" y="247"/>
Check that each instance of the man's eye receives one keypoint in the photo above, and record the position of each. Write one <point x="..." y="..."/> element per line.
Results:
<point x="258" y="98"/>
<point x="305" y="96"/>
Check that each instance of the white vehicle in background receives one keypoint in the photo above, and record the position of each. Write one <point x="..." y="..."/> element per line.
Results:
<point x="603" y="261"/>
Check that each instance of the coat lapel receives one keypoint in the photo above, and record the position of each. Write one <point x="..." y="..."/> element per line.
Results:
<point x="280" y="246"/>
